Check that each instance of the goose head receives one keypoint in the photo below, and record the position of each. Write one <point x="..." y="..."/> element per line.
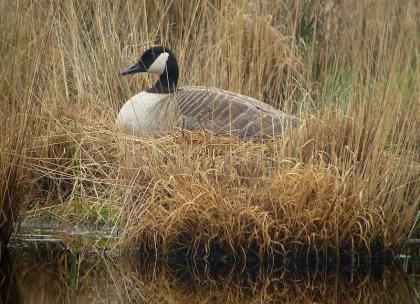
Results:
<point x="158" y="60"/>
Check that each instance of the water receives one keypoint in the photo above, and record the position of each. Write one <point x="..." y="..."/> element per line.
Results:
<point x="39" y="269"/>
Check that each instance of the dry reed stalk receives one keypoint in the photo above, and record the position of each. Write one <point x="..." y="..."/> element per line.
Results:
<point x="21" y="83"/>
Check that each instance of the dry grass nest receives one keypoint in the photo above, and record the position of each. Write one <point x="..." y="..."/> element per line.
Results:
<point x="208" y="196"/>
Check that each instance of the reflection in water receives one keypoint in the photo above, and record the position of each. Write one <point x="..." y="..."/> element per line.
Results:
<point x="8" y="290"/>
<point x="53" y="275"/>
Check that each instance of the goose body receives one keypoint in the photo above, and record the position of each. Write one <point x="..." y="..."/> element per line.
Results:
<point x="164" y="106"/>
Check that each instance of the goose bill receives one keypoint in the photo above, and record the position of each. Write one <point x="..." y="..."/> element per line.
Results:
<point x="135" y="68"/>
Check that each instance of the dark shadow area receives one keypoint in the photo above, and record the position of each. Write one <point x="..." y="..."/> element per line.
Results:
<point x="9" y="292"/>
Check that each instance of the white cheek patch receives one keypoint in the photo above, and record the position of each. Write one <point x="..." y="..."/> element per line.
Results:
<point x="158" y="66"/>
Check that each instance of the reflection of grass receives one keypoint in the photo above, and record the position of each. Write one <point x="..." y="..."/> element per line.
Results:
<point x="345" y="179"/>
<point x="62" y="277"/>
<point x="74" y="273"/>
<point x="182" y="283"/>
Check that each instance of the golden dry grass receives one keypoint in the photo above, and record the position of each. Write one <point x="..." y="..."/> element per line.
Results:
<point x="347" y="179"/>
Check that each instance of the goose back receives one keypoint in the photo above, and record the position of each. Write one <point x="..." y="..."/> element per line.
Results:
<point x="220" y="111"/>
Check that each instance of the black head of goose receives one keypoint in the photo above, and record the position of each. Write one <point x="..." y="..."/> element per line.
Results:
<point x="165" y="106"/>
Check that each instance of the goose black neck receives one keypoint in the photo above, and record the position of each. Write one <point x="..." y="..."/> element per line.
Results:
<point x="168" y="80"/>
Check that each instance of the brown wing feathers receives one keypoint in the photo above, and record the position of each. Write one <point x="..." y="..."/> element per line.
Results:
<point x="221" y="112"/>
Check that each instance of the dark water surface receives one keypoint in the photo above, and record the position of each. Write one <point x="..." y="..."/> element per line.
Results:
<point x="43" y="271"/>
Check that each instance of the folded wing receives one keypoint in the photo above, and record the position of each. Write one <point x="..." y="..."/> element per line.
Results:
<point x="222" y="111"/>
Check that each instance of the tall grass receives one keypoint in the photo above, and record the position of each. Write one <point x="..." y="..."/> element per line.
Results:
<point x="22" y="85"/>
<point x="347" y="178"/>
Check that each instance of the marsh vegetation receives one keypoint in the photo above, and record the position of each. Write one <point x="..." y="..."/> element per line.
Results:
<point x="345" y="183"/>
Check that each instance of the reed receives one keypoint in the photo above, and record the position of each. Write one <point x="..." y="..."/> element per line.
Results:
<point x="22" y="84"/>
<point x="345" y="181"/>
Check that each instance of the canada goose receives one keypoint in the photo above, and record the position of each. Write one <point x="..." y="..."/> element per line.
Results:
<point x="164" y="105"/>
